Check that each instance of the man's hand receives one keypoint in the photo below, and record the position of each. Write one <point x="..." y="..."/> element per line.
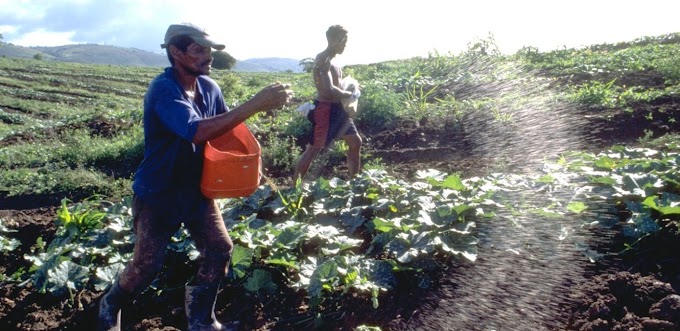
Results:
<point x="273" y="96"/>
<point x="355" y="95"/>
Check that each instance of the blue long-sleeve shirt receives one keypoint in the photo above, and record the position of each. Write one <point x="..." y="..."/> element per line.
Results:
<point x="170" y="173"/>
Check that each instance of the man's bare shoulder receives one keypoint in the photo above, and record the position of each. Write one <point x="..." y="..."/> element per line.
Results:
<point x="322" y="62"/>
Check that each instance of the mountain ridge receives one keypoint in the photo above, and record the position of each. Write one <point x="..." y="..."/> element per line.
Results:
<point x="128" y="56"/>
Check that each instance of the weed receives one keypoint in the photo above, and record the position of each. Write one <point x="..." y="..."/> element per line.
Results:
<point x="597" y="94"/>
<point x="280" y="153"/>
<point x="378" y="107"/>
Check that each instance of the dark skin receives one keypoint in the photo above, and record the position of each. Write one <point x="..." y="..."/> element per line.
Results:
<point x="196" y="61"/>
<point x="188" y="66"/>
<point x="327" y="76"/>
<point x="327" y="81"/>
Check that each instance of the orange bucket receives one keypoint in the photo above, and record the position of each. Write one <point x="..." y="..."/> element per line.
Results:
<point x="231" y="165"/>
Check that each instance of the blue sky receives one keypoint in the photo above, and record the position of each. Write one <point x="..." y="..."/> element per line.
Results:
<point x="378" y="30"/>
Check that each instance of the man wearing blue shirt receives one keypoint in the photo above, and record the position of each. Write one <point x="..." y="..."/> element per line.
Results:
<point x="183" y="108"/>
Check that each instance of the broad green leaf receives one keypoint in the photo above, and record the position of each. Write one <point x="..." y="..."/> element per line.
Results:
<point x="379" y="242"/>
<point x="324" y="277"/>
<point x="8" y="244"/>
<point x="670" y="210"/>
<point x="642" y="184"/>
<point x="605" y="162"/>
<point x="430" y="174"/>
<point x="603" y="180"/>
<point x="340" y="243"/>
<point x="452" y="182"/>
<point x="367" y="328"/>
<point x="5" y="229"/>
<point x="372" y="196"/>
<point x="577" y="207"/>
<point x="425" y="203"/>
<point x="547" y="212"/>
<point x="289" y="238"/>
<point x="424" y="218"/>
<point x="546" y="179"/>
<point x="353" y="219"/>
<point x="261" y="280"/>
<point x="444" y="210"/>
<point x="423" y="241"/>
<point x="420" y="186"/>
<point x="382" y="225"/>
<point x="669" y="204"/>
<point x="107" y="275"/>
<point x="460" y="209"/>
<point x="641" y="222"/>
<point x="381" y="274"/>
<point x="403" y="249"/>
<point x="283" y="262"/>
<point x="331" y="204"/>
<point x="67" y="275"/>
<point x="241" y="260"/>
<point x="464" y="245"/>
<point x="651" y="202"/>
<point x="326" y="233"/>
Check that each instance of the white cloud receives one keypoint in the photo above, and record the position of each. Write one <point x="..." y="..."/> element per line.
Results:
<point x="7" y="28"/>
<point x="44" y="38"/>
<point x="379" y="30"/>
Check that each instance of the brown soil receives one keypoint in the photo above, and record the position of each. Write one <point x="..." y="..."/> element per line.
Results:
<point x="502" y="290"/>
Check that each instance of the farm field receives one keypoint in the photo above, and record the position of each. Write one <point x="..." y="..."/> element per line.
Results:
<point x="534" y="191"/>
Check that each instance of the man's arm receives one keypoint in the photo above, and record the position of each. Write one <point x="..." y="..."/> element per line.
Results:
<point x="271" y="97"/>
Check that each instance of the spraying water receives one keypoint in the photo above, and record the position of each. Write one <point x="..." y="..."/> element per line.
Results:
<point x="528" y="263"/>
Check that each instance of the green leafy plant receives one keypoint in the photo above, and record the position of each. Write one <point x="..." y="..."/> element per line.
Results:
<point x="7" y="244"/>
<point x="378" y="107"/>
<point x="280" y="153"/>
<point x="597" y="94"/>
<point x="417" y="93"/>
<point x="260" y="281"/>
<point x="82" y="241"/>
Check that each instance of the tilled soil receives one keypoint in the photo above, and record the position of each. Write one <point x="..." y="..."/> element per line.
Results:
<point x="521" y="283"/>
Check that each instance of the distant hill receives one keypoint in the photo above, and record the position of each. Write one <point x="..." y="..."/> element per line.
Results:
<point x="273" y="64"/>
<point x="114" y="55"/>
<point x="104" y="54"/>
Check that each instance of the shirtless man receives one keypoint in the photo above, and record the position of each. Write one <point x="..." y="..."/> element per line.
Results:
<point x="329" y="119"/>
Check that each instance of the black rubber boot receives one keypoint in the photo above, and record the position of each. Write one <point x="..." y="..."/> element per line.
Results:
<point x="109" y="308"/>
<point x="199" y="304"/>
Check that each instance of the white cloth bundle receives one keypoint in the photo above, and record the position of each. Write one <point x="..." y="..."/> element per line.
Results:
<point x="305" y="108"/>
<point x="351" y="104"/>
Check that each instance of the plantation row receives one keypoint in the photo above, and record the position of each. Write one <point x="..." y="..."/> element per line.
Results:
<point x="61" y="122"/>
<point x="333" y="237"/>
<point x="74" y="131"/>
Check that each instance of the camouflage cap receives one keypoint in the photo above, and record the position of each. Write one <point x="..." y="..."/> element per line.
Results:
<point x="199" y="35"/>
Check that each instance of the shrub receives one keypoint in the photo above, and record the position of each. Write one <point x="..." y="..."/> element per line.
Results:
<point x="232" y="89"/>
<point x="298" y="127"/>
<point x="280" y="154"/>
<point x="597" y="94"/>
<point x="223" y="60"/>
<point x="378" y="107"/>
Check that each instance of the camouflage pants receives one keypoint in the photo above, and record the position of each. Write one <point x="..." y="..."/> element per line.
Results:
<point x="153" y="233"/>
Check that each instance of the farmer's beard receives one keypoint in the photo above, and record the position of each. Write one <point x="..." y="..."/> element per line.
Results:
<point x="204" y="68"/>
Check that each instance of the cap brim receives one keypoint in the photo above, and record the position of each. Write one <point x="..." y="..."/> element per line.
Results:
<point x="207" y="42"/>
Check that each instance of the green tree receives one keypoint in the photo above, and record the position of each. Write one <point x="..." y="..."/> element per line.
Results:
<point x="222" y="60"/>
<point x="307" y="64"/>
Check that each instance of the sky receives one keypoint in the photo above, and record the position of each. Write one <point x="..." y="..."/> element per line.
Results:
<point x="378" y="30"/>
